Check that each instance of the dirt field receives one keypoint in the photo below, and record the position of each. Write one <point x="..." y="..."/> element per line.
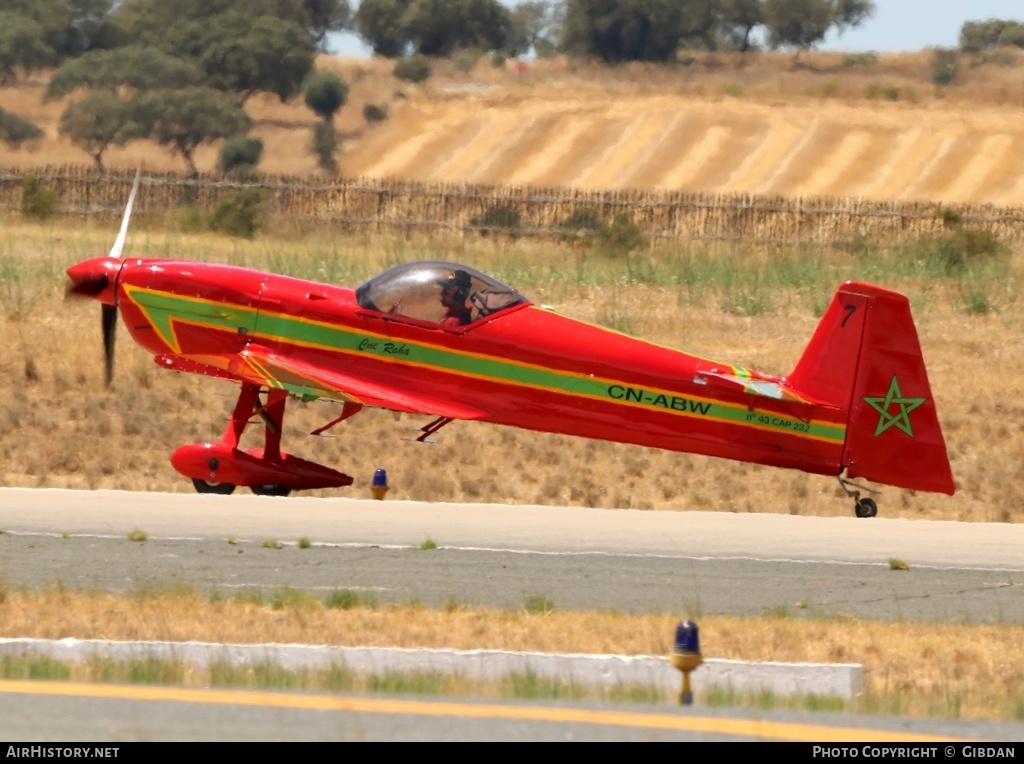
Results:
<point x="755" y="124"/>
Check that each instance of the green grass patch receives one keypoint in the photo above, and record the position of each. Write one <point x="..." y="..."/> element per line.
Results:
<point x="285" y="597"/>
<point x="346" y="599"/>
<point x="538" y="603"/>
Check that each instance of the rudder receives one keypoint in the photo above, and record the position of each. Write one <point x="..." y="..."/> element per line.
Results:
<point x="865" y="357"/>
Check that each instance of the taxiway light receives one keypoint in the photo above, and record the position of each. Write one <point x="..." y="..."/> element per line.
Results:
<point x="686" y="656"/>
<point x="379" y="486"/>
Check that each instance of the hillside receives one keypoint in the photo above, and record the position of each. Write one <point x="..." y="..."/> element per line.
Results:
<point x="832" y="126"/>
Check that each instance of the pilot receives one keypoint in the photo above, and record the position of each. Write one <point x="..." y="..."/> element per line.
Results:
<point x="455" y="289"/>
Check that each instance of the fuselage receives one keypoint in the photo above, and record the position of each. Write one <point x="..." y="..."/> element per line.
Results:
<point x="523" y="366"/>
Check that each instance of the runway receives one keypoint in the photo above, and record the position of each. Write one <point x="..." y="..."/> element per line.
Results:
<point x="492" y="555"/>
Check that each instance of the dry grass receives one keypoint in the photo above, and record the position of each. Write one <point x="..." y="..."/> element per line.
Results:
<point x="946" y="670"/>
<point x="50" y="356"/>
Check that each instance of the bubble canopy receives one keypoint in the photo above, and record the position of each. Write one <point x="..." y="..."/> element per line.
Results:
<point x="413" y="291"/>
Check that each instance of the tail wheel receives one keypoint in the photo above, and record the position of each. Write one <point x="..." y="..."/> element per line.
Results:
<point x="865" y="508"/>
<point x="205" y="486"/>
<point x="274" y="489"/>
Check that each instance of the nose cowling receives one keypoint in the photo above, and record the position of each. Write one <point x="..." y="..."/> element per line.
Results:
<point x="96" y="278"/>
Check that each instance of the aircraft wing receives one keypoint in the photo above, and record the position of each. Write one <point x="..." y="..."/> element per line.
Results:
<point x="258" y="365"/>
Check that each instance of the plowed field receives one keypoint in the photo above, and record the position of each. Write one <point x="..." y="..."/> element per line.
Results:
<point x="757" y="124"/>
<point x="874" y="150"/>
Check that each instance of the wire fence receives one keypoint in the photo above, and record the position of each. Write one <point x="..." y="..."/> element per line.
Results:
<point x="393" y="205"/>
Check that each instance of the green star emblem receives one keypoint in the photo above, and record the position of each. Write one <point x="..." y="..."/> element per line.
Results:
<point x="884" y="406"/>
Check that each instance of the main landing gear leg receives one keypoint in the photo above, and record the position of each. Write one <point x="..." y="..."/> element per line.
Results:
<point x="268" y="471"/>
<point x="861" y="507"/>
<point x="273" y="417"/>
<point x="248" y="401"/>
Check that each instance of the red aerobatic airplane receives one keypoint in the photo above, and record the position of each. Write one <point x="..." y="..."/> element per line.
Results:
<point x="444" y="340"/>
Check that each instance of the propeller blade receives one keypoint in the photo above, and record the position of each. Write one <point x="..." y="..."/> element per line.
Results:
<point x="115" y="251"/>
<point x="109" y="320"/>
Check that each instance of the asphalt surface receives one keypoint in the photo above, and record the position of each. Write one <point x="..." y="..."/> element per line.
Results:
<point x="631" y="561"/>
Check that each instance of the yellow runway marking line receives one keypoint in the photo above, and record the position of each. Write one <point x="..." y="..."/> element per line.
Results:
<point x="666" y="721"/>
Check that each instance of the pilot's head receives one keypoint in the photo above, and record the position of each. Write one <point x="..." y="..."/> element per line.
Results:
<point x="455" y="286"/>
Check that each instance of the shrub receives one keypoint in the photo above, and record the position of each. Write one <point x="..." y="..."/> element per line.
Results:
<point x="37" y="201"/>
<point x="374" y="113"/>
<point x="621" y="237"/>
<point x="466" y="59"/>
<point x="888" y="92"/>
<point x="582" y="224"/>
<point x="240" y="155"/>
<point x="497" y="216"/>
<point x="413" y="69"/>
<point x="15" y="130"/>
<point x="954" y="253"/>
<point x="239" y="213"/>
<point x="860" y="59"/>
<point x="944" y="66"/>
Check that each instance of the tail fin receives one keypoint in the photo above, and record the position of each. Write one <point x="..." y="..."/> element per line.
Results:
<point x="865" y="358"/>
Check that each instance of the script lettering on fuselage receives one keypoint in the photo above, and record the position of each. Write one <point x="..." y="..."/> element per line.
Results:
<point x="384" y="348"/>
<point x="658" y="400"/>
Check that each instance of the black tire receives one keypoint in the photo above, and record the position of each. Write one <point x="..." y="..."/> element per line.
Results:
<point x="205" y="486"/>
<point x="274" y="489"/>
<point x="865" y="508"/>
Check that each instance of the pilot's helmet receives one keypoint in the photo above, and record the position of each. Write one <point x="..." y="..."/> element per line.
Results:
<point x="460" y="280"/>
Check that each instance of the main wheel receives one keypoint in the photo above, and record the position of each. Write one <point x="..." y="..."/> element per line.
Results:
<point x="205" y="486"/>
<point x="274" y="489"/>
<point x="865" y="508"/>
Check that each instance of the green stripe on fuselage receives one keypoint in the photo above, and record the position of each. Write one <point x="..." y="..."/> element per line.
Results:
<point x="164" y="308"/>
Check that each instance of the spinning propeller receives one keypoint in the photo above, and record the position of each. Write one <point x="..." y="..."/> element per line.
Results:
<point x="97" y="278"/>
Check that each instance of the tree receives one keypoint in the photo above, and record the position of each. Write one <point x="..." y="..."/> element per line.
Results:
<point x="90" y="27"/>
<point x="22" y="45"/>
<point x="15" y="130"/>
<point x="440" y="27"/>
<point x="99" y="120"/>
<point x="802" y="24"/>
<point x="135" y="67"/>
<point x="323" y="16"/>
<point x="739" y="19"/>
<point x="432" y="27"/>
<point x="624" y="30"/>
<point x="976" y="36"/>
<point x="147" y="21"/>
<point x="185" y="119"/>
<point x="244" y="54"/>
<point x="380" y="24"/>
<point x="69" y="27"/>
<point x="535" y="25"/>
<point x="325" y="93"/>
